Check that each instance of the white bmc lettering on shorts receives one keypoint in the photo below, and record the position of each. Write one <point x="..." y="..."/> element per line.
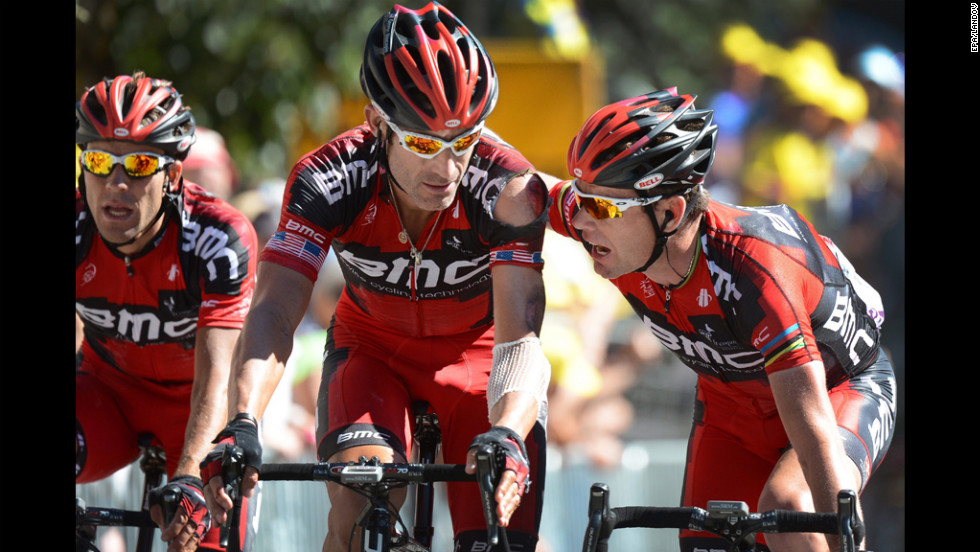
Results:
<point x="360" y="434"/>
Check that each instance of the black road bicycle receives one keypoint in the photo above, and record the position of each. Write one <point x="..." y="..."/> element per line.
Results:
<point x="381" y="526"/>
<point x="730" y="520"/>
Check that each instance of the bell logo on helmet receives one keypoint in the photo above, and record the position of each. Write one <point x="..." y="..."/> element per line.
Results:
<point x="578" y="172"/>
<point x="649" y="181"/>
<point x="452" y="123"/>
<point x="121" y="132"/>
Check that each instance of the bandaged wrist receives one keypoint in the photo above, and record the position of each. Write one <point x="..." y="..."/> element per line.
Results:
<point x="520" y="366"/>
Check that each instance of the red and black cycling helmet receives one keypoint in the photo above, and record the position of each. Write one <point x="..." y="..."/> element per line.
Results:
<point x="135" y="108"/>
<point x="426" y="71"/>
<point x="644" y="142"/>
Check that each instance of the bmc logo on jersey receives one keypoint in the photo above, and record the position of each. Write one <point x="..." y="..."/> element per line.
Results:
<point x="649" y="181"/>
<point x="305" y="231"/>
<point x="140" y="325"/>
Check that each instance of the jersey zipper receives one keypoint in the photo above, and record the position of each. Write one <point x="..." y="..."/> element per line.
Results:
<point x="129" y="266"/>
<point x="415" y="277"/>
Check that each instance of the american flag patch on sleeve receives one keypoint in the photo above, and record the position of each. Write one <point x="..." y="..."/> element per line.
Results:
<point x="515" y="256"/>
<point x="295" y="246"/>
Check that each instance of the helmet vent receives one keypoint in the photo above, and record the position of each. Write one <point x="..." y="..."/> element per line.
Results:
<point x="448" y="79"/>
<point x="690" y="126"/>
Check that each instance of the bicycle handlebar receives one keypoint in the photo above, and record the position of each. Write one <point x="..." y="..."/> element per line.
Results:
<point x="351" y="473"/>
<point x="374" y="472"/>
<point x="94" y="515"/>
<point x="729" y="520"/>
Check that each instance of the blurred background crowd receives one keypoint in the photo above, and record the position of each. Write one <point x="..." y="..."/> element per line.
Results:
<point x="809" y="96"/>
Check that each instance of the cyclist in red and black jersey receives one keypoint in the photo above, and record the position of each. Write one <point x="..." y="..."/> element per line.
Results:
<point x="438" y="227"/>
<point x="795" y="398"/>
<point x="164" y="274"/>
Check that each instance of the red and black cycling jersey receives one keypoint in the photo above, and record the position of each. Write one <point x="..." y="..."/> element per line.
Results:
<point x="141" y="312"/>
<point x="767" y="293"/>
<point x="336" y="196"/>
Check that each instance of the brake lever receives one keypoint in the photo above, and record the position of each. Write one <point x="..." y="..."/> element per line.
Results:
<point x="486" y="476"/>
<point x="233" y="472"/>
<point x="170" y="500"/>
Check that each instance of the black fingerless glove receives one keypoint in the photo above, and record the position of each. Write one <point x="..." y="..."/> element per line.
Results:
<point x="509" y="452"/>
<point x="243" y="432"/>
<point x="191" y="491"/>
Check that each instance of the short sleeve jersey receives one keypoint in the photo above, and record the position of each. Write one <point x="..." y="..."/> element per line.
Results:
<point x="141" y="313"/>
<point x="767" y="293"/>
<point x="335" y="196"/>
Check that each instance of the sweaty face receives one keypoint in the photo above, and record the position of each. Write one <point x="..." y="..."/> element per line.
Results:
<point x="122" y="206"/>
<point x="619" y="245"/>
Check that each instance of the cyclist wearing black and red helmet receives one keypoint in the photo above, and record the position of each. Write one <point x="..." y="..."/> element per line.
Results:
<point x="164" y="274"/>
<point x="438" y="227"/>
<point x="795" y="397"/>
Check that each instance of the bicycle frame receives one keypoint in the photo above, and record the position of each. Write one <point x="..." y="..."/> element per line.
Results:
<point x="153" y="462"/>
<point x="428" y="438"/>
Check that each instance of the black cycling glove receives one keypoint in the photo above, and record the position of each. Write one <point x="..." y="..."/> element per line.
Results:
<point x="191" y="491"/>
<point x="509" y="452"/>
<point x="241" y="432"/>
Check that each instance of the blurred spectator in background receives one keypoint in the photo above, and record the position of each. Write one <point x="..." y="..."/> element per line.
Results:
<point x="210" y="166"/>
<point x="588" y="413"/>
<point x="262" y="205"/>
<point x="790" y="153"/>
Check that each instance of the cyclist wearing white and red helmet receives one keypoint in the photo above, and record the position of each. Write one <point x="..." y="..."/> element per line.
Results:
<point x="438" y="227"/>
<point x="164" y="274"/>
<point x="795" y="397"/>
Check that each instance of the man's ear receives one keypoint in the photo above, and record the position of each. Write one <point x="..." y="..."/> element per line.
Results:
<point x="672" y="209"/>
<point x="174" y="171"/>
<point x="373" y="119"/>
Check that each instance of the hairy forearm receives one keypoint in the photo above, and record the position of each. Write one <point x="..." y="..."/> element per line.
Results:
<point x="826" y="468"/>
<point x="209" y="395"/>
<point x="207" y="417"/>
<point x="259" y="361"/>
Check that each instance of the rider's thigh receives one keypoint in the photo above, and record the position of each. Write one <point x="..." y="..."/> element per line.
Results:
<point x="104" y="441"/>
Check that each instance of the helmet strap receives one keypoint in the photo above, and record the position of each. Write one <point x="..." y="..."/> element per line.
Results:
<point x="661" y="238"/>
<point x="382" y="154"/>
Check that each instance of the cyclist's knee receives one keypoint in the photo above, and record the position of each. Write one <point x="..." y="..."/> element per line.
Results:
<point x="786" y="494"/>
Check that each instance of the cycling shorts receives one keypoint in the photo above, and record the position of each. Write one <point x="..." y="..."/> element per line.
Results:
<point x="370" y="380"/>
<point x="113" y="408"/>
<point x="733" y="449"/>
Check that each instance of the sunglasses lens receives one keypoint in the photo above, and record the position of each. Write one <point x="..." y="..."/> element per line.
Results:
<point x="423" y="146"/>
<point x="97" y="162"/>
<point x="140" y="165"/>
<point x="465" y="142"/>
<point x="599" y="208"/>
<point x="136" y="165"/>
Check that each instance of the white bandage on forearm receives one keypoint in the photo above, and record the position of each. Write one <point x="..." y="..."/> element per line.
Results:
<point x="520" y="366"/>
